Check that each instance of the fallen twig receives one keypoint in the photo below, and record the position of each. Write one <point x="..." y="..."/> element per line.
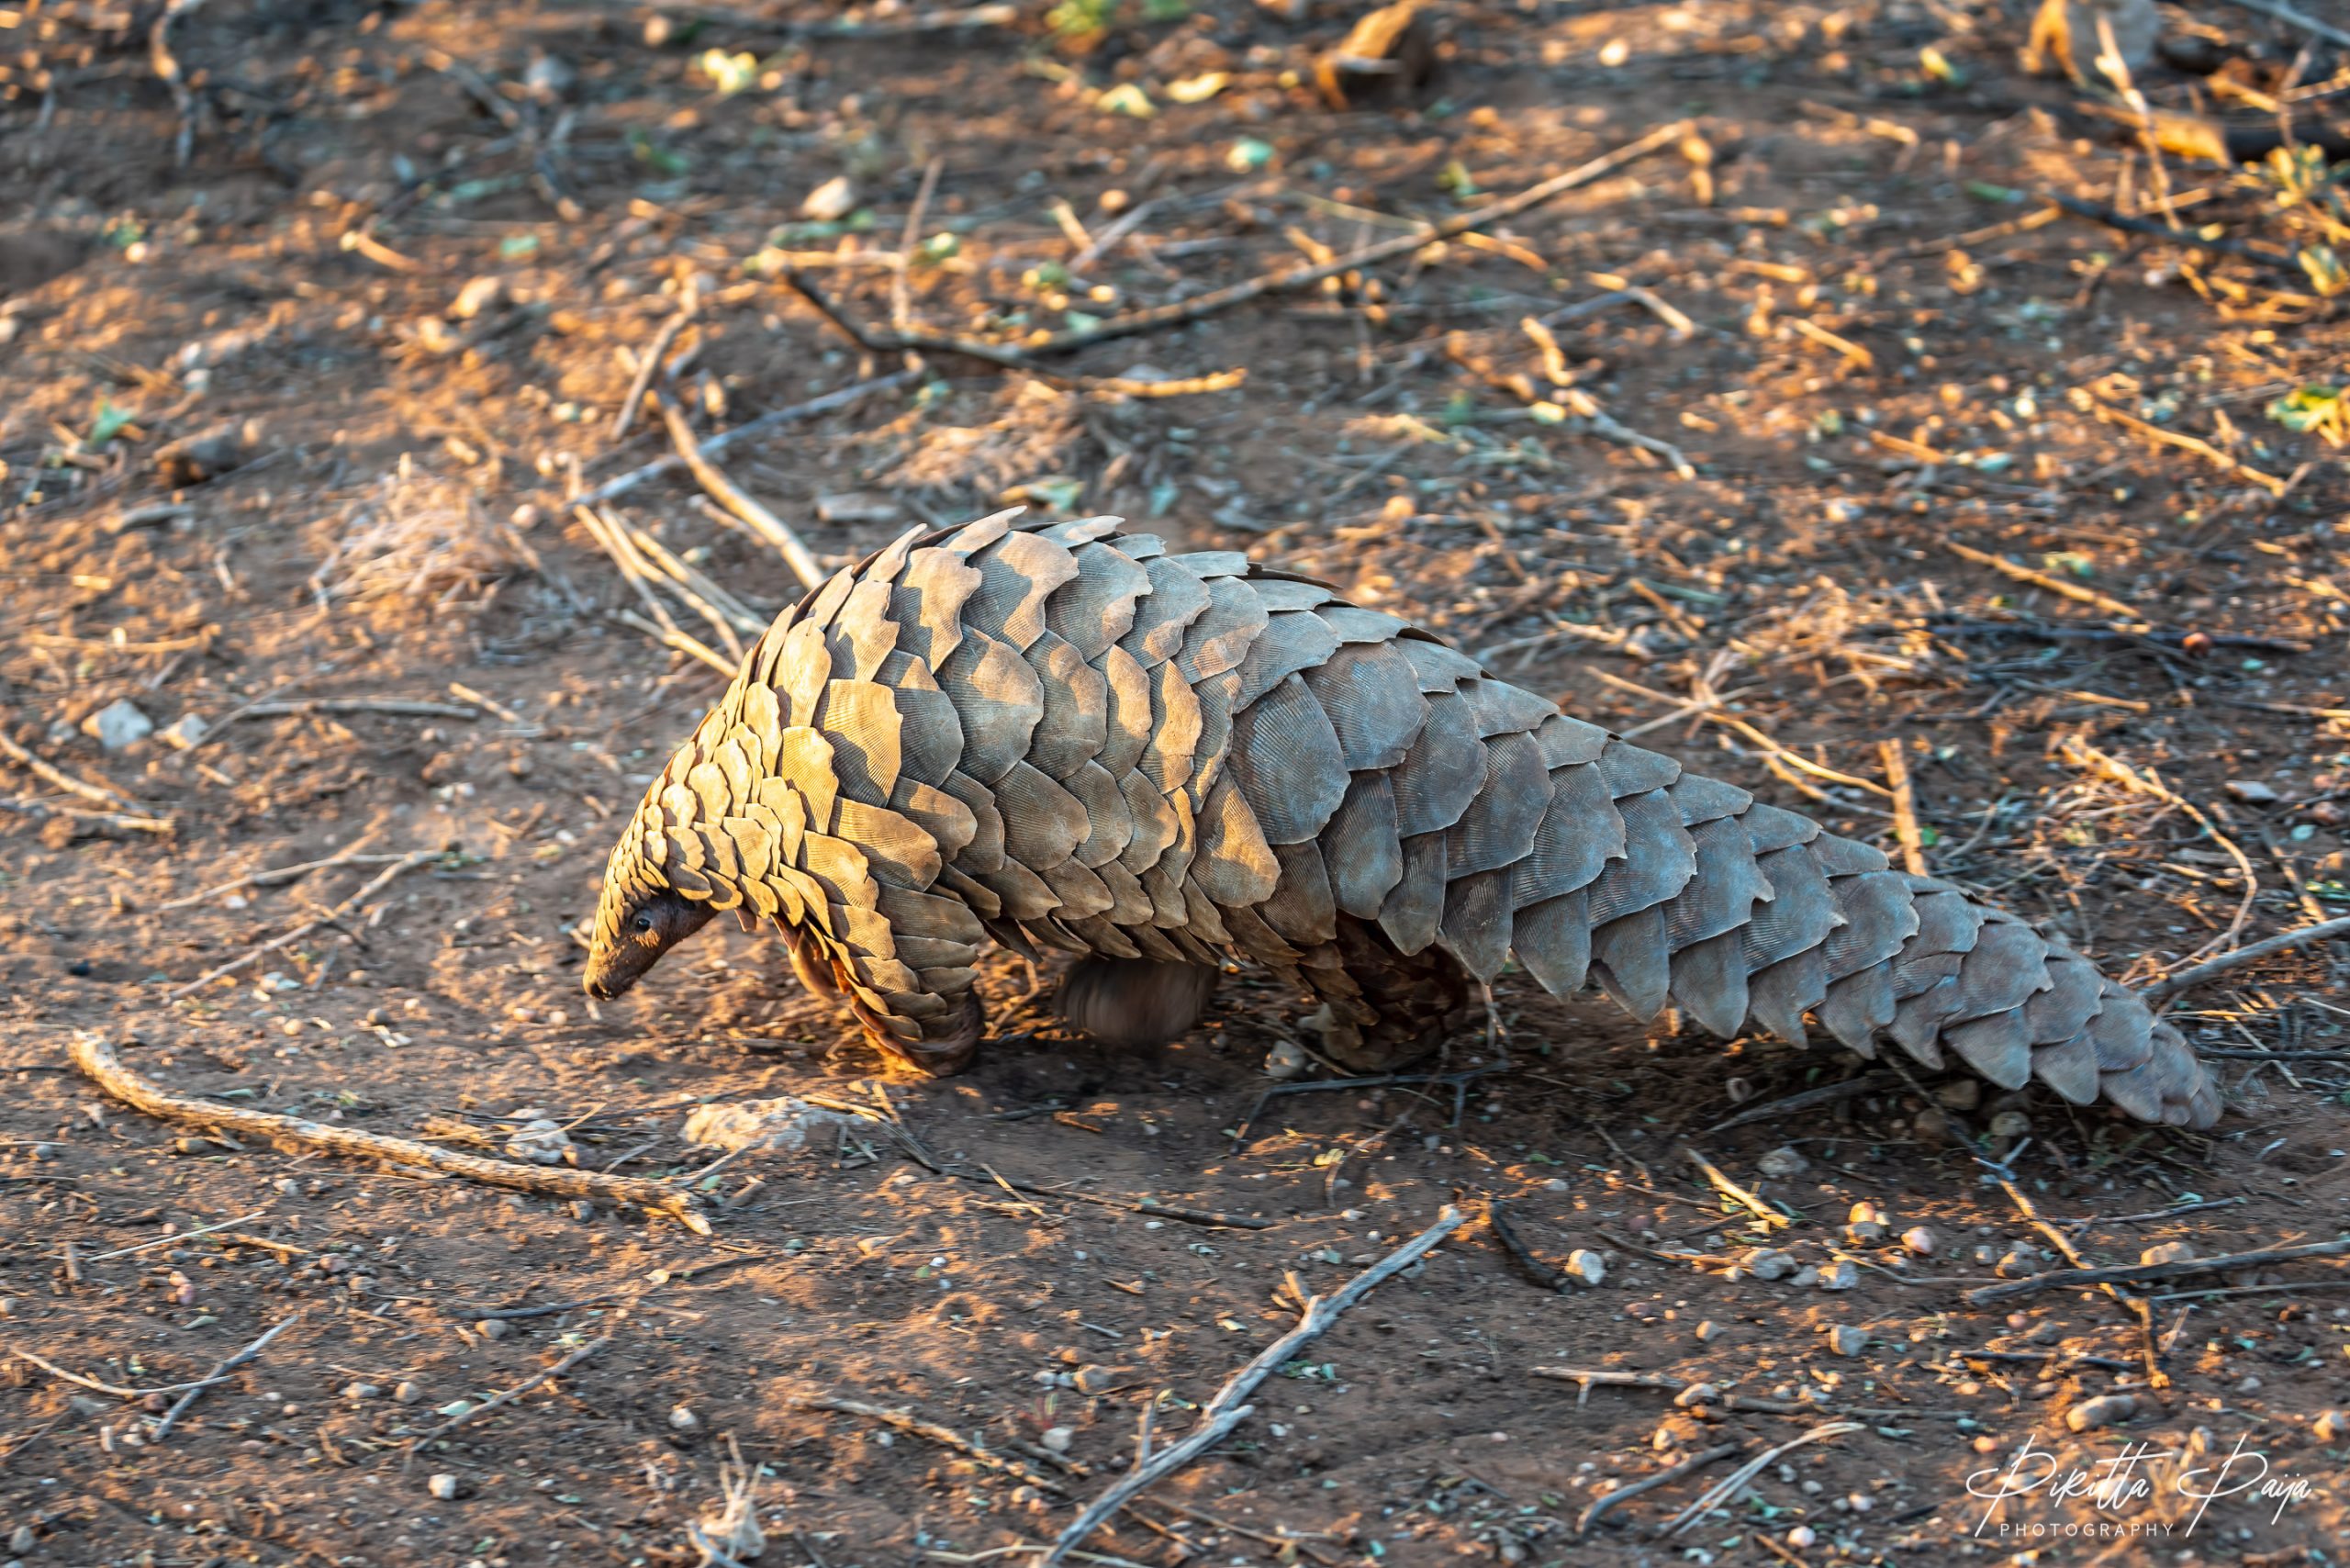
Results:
<point x="618" y="544"/>
<point x="121" y="822"/>
<point x="219" y="1374"/>
<point x="1904" y="807"/>
<point x="1519" y="1253"/>
<point x="507" y="1396"/>
<point x="167" y="68"/>
<point x="108" y="796"/>
<point x="1738" y="1195"/>
<point x="1727" y="1488"/>
<point x="952" y="20"/>
<point x="2183" y="979"/>
<point x="1811" y="1098"/>
<point x="1649" y="1483"/>
<point x="2301" y="19"/>
<point x="2132" y="1273"/>
<point x="347" y="856"/>
<point x="621" y="483"/>
<point x="1226" y="1410"/>
<point x="2155" y="1376"/>
<point x="735" y="498"/>
<point x="646" y="369"/>
<point x="2072" y="591"/>
<point x="98" y="1060"/>
<point x="903" y="340"/>
<point x="382" y="879"/>
<point x="1679" y="1388"/>
<point x="2185" y="443"/>
<point x="2082" y="755"/>
<point x="907" y="1421"/>
<point x="1296" y="278"/>
<point x="400" y="707"/>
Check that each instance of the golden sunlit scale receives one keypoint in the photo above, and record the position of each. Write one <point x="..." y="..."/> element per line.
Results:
<point x="1679" y="893"/>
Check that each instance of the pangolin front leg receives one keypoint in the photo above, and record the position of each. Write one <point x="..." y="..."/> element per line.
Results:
<point x="1064" y="736"/>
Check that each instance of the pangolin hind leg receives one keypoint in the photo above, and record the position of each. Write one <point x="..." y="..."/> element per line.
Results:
<point x="1135" y="1002"/>
<point x="1381" y="1008"/>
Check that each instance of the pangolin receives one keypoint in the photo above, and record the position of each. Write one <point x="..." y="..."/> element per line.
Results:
<point x="1058" y="735"/>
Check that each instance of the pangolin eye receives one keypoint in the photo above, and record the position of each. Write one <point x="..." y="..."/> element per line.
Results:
<point x="643" y="924"/>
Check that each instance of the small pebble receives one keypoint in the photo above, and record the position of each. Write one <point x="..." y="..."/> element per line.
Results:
<point x="1058" y="1438"/>
<point x="1586" y="1267"/>
<point x="1803" y="1279"/>
<point x="362" y="1391"/>
<point x="1960" y="1095"/>
<point x="1847" y="1341"/>
<point x="1802" y="1536"/>
<point x="1920" y="1241"/>
<point x="683" y="1419"/>
<point x="1782" y="1162"/>
<point x="1697" y="1394"/>
<point x="23" y="1540"/>
<point x="2168" y="1252"/>
<point x="494" y="1328"/>
<point x="1709" y="1329"/>
<point x="405" y="1394"/>
<point x="2104" y="1410"/>
<point x="2010" y="1124"/>
<point x="1866" y="1223"/>
<point x="1840" y="1276"/>
<point x="2018" y="1262"/>
<point x="1768" y="1263"/>
<point x="2331" y="1427"/>
<point x="443" y="1486"/>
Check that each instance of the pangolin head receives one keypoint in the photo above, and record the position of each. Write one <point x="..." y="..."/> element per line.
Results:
<point x="641" y="914"/>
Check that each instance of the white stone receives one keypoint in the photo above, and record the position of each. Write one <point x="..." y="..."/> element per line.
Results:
<point x="2331" y="1427"/>
<point x="1287" y="1060"/>
<point x="683" y="1418"/>
<point x="119" y="724"/>
<point x="1586" y="1267"/>
<point x="1767" y="1263"/>
<point x="783" y="1123"/>
<point x="1919" y="1239"/>
<point x="541" y="1141"/>
<point x="2103" y="1410"/>
<point x="1840" y="1276"/>
<point x="476" y="297"/>
<point x="2168" y="1252"/>
<point x="1847" y="1341"/>
<point x="186" y="732"/>
<point x="830" y="202"/>
<point x="1059" y="1438"/>
<point x="1782" y="1162"/>
<point x="443" y="1486"/>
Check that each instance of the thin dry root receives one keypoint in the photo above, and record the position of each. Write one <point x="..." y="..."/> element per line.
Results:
<point x="98" y="1059"/>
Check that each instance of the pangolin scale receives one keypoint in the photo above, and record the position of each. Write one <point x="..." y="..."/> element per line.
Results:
<point x="1064" y="736"/>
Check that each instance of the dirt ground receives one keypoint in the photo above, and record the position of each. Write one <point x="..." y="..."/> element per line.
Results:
<point x="297" y="420"/>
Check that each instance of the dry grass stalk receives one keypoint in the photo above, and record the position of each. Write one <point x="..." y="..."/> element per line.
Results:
<point x="2057" y="586"/>
<point x="735" y="498"/>
<point x="108" y="796"/>
<point x="1904" y="807"/>
<point x="2080" y="754"/>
